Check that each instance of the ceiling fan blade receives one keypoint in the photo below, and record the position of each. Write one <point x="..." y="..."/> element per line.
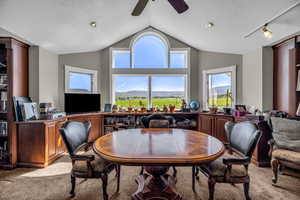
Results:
<point x="140" y="6"/>
<point x="179" y="5"/>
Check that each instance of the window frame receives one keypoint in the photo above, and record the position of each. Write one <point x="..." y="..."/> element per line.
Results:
<point x="79" y="70"/>
<point x="149" y="96"/>
<point x="149" y="71"/>
<point x="179" y="51"/>
<point x="231" y="69"/>
<point x="151" y="33"/>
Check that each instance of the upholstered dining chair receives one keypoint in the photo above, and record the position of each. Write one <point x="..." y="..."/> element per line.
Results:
<point x="157" y="121"/>
<point x="242" y="138"/>
<point x="88" y="164"/>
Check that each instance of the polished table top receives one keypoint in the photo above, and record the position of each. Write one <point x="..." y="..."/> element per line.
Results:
<point x="158" y="146"/>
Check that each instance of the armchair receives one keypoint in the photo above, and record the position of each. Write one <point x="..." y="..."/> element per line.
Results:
<point x="87" y="165"/>
<point x="242" y="138"/>
<point x="285" y="145"/>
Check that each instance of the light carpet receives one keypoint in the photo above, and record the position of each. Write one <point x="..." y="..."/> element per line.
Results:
<point x="53" y="183"/>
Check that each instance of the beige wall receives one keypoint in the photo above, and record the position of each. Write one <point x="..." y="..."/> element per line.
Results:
<point x="252" y="78"/>
<point x="258" y="78"/>
<point x="43" y="75"/>
<point x="267" y="67"/>
<point x="100" y="60"/>
<point x="48" y="77"/>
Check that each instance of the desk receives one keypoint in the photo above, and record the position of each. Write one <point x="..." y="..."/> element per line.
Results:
<point x="157" y="149"/>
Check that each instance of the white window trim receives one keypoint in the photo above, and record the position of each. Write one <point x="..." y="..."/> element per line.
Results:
<point x="231" y="69"/>
<point x="70" y="69"/>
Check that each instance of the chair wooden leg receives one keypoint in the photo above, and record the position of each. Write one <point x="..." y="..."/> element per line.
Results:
<point x="246" y="191"/>
<point x="104" y="186"/>
<point x="193" y="178"/>
<point x="275" y="164"/>
<point x="174" y="171"/>
<point x="281" y="169"/>
<point x="73" y="183"/>
<point x="142" y="170"/>
<point x="118" y="177"/>
<point x="197" y="173"/>
<point x="211" y="188"/>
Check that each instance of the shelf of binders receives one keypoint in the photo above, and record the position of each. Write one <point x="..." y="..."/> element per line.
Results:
<point x="4" y="154"/>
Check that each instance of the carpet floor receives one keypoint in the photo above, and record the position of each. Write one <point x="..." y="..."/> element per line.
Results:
<point x="53" y="183"/>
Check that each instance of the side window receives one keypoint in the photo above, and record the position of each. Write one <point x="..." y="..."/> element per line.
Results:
<point x="80" y="80"/>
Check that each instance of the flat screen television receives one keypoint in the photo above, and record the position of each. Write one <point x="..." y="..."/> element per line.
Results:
<point x="80" y="103"/>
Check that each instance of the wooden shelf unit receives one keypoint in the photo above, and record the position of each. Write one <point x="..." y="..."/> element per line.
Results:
<point x="286" y="68"/>
<point x="13" y="82"/>
<point x="117" y="121"/>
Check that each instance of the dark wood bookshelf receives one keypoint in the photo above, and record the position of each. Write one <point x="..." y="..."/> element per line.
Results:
<point x="13" y="82"/>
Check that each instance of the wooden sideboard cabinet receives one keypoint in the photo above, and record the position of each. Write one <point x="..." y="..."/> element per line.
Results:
<point x="39" y="142"/>
<point x="213" y="124"/>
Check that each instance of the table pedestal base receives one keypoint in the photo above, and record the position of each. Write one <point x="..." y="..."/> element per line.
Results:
<point x="157" y="185"/>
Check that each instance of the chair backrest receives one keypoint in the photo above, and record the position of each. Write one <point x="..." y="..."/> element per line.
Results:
<point x="159" y="123"/>
<point x="75" y="135"/>
<point x="146" y="119"/>
<point x="242" y="136"/>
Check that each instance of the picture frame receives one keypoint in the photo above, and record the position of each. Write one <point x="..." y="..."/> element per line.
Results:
<point x="241" y="108"/>
<point x="107" y="108"/>
<point x="30" y="111"/>
<point x="298" y="81"/>
<point x="298" y="110"/>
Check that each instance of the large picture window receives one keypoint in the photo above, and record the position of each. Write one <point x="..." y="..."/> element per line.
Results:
<point x="148" y="91"/>
<point x="149" y="73"/>
<point x="131" y="91"/>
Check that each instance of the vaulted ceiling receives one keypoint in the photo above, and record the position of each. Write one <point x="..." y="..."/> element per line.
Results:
<point x="62" y="26"/>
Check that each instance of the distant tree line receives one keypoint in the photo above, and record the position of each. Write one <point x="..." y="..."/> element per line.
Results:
<point x="155" y="97"/>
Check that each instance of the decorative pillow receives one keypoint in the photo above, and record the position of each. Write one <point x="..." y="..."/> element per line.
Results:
<point x="286" y="133"/>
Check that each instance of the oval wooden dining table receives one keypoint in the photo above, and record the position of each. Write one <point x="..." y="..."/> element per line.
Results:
<point x="157" y="149"/>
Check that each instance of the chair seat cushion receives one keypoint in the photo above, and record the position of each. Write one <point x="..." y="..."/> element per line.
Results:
<point x="286" y="133"/>
<point x="99" y="165"/>
<point x="218" y="169"/>
<point x="286" y="155"/>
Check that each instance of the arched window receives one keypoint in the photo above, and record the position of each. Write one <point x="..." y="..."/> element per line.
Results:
<point x="149" y="73"/>
<point x="150" y="51"/>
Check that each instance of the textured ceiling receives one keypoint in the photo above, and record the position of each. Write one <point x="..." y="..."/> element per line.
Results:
<point x="62" y="26"/>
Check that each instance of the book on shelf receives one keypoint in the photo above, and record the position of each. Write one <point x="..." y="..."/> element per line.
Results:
<point x="3" y="128"/>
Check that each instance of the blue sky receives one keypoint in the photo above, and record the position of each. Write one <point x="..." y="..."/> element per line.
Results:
<point x="80" y="81"/>
<point x="223" y="79"/>
<point x="159" y="83"/>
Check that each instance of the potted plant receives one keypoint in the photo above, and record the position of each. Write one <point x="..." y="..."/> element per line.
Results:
<point x="227" y="109"/>
<point x="171" y="108"/>
<point x="143" y="108"/>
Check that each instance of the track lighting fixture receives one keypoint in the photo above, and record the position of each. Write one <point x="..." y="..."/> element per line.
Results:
<point x="267" y="33"/>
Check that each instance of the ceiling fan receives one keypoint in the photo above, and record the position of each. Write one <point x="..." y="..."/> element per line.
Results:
<point x="179" y="5"/>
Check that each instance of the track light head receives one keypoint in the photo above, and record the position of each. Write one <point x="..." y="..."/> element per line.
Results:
<point x="267" y="33"/>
